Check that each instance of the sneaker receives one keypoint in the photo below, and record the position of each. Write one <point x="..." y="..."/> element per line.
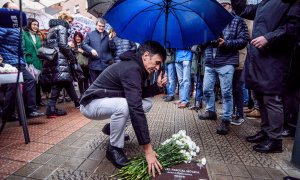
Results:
<point x="237" y="121"/>
<point x="53" y="112"/>
<point x="247" y="110"/>
<point x="223" y="127"/>
<point x="169" y="98"/>
<point x="254" y="114"/>
<point x="208" y="115"/>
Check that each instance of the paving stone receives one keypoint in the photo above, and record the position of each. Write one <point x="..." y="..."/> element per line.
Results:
<point x="221" y="177"/>
<point x="241" y="178"/>
<point x="61" y="174"/>
<point x="89" y="165"/>
<point x="43" y="159"/>
<point x="293" y="172"/>
<point x="14" y="177"/>
<point x="97" y="155"/>
<point x="83" y="153"/>
<point x="27" y="169"/>
<point x="276" y="174"/>
<point x="79" y="174"/>
<point x="238" y="170"/>
<point x="258" y="172"/>
<point x="105" y="167"/>
<point x="73" y="163"/>
<point x="43" y="172"/>
<point x="57" y="161"/>
<point x="217" y="168"/>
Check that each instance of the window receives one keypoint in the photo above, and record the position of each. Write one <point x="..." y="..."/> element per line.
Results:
<point x="76" y="9"/>
<point x="68" y="11"/>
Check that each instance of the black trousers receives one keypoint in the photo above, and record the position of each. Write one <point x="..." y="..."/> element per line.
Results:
<point x="29" y="95"/>
<point x="84" y="85"/>
<point x="55" y="92"/>
<point x="238" y="94"/>
<point x="291" y="107"/>
<point x="272" y="116"/>
<point x="94" y="74"/>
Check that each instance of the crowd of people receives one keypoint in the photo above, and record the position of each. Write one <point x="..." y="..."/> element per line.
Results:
<point x="257" y="62"/>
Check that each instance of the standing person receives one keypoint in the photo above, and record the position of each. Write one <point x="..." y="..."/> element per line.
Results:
<point x="270" y="54"/>
<point x="171" y="74"/>
<point x="9" y="47"/>
<point x="96" y="43"/>
<point x="220" y="59"/>
<point x="119" y="45"/>
<point x="58" y="71"/>
<point x="119" y="93"/>
<point x="183" y="64"/>
<point x="31" y="43"/>
<point x="82" y="58"/>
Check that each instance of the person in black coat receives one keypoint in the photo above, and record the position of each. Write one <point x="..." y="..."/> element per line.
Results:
<point x="266" y="69"/>
<point x="58" y="72"/>
<point x="119" y="93"/>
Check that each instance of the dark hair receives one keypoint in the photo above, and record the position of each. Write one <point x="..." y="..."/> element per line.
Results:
<point x="152" y="47"/>
<point x="77" y="33"/>
<point x="29" y="22"/>
<point x="6" y="5"/>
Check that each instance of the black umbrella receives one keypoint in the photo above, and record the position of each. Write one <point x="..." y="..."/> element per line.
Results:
<point x="99" y="7"/>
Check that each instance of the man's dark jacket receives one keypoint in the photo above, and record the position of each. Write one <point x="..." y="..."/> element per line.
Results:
<point x="267" y="68"/>
<point x="93" y="40"/>
<point x="125" y="79"/>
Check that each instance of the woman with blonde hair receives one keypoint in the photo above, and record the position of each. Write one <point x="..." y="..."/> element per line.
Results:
<point x="58" y="71"/>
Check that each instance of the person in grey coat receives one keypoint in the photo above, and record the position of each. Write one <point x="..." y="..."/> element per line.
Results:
<point x="269" y="56"/>
<point x="96" y="43"/>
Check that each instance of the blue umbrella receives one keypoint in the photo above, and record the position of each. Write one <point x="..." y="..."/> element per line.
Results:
<point x="173" y="23"/>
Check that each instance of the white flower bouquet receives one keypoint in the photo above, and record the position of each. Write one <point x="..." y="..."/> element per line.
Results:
<point x="180" y="148"/>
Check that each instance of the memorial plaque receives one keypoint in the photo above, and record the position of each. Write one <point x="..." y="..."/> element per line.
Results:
<point x="191" y="171"/>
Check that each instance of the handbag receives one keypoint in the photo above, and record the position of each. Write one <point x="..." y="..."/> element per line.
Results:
<point x="33" y="71"/>
<point x="49" y="54"/>
<point x="82" y="60"/>
<point x="77" y="72"/>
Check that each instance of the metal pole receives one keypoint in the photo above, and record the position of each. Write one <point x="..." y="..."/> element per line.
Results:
<point x="296" y="149"/>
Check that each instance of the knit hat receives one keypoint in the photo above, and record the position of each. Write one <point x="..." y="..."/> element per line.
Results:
<point x="224" y="1"/>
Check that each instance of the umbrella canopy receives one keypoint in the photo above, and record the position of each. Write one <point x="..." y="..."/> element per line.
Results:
<point x="174" y="23"/>
<point x="99" y="7"/>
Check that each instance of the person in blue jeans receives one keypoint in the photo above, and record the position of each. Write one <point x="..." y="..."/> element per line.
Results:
<point x="171" y="75"/>
<point x="183" y="63"/>
<point x="221" y="57"/>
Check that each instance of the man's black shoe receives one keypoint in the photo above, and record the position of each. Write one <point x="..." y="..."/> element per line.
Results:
<point x="116" y="156"/>
<point x="208" y="115"/>
<point x="288" y="133"/>
<point x="169" y="98"/>
<point x="53" y="112"/>
<point x="35" y="114"/>
<point x="106" y="131"/>
<point x="269" y="146"/>
<point x="257" y="138"/>
<point x="223" y="127"/>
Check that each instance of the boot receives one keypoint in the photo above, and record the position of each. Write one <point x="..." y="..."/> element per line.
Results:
<point x="53" y="112"/>
<point x="254" y="114"/>
<point x="257" y="138"/>
<point x="223" y="127"/>
<point x="269" y="146"/>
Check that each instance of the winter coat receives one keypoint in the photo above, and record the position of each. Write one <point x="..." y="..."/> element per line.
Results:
<point x="266" y="69"/>
<point x="9" y="46"/>
<point x="58" y="70"/>
<point x="30" y="49"/>
<point x="236" y="37"/>
<point x="119" y="46"/>
<point x="94" y="41"/>
<point x="125" y="79"/>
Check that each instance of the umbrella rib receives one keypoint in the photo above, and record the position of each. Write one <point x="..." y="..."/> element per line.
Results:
<point x="200" y="16"/>
<point x="176" y="4"/>
<point x="175" y="15"/>
<point x="156" y="22"/>
<point x="157" y="4"/>
<point x="143" y="10"/>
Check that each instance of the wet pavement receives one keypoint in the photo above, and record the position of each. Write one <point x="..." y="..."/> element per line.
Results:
<point x="73" y="147"/>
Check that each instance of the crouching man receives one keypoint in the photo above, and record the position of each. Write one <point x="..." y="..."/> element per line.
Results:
<point x="119" y="93"/>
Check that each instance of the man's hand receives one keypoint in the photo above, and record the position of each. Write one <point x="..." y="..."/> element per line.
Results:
<point x="221" y="41"/>
<point x="162" y="81"/>
<point x="152" y="161"/>
<point x="259" y="42"/>
<point x="94" y="52"/>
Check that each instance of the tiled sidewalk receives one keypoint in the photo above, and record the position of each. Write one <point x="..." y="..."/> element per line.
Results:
<point x="72" y="147"/>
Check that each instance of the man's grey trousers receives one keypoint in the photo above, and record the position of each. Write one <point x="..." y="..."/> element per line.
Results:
<point x="117" y="110"/>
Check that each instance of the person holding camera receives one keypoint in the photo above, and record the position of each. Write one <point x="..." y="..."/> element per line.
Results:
<point x="221" y="56"/>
